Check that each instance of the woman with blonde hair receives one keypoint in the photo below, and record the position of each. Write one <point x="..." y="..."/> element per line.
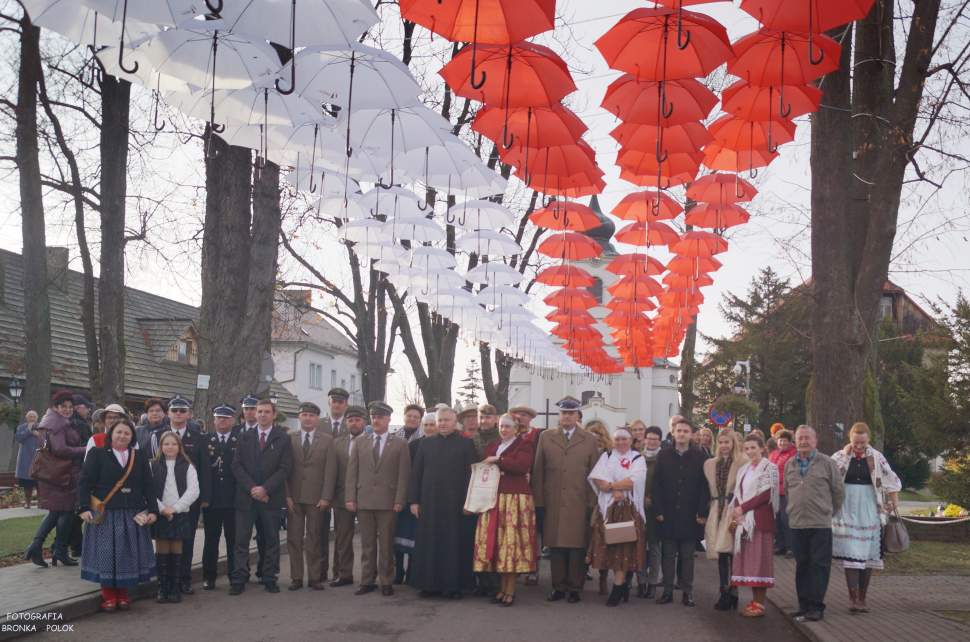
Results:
<point x="602" y="433"/>
<point x="721" y="472"/>
<point x="871" y="495"/>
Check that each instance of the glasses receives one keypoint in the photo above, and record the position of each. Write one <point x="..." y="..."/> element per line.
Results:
<point x="178" y="411"/>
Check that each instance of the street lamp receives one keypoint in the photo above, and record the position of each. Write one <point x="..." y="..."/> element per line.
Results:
<point x="16" y="390"/>
<point x="742" y="387"/>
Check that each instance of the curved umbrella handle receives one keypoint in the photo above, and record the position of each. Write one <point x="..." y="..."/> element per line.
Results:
<point x="121" y="43"/>
<point x="215" y="8"/>
<point x="313" y="160"/>
<point x="287" y="92"/>
<point x="683" y="35"/>
<point x="476" y="83"/>
<point x="158" y="125"/>
<point x="811" y="52"/>
<point x="738" y="190"/>
<point x="508" y="138"/>
<point x="449" y="217"/>
<point x="771" y="148"/>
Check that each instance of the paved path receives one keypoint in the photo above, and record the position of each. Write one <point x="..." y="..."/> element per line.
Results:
<point x="20" y="511"/>
<point x="904" y="608"/>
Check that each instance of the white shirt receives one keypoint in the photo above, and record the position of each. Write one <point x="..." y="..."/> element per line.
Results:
<point x="180" y="432"/>
<point x="307" y="437"/>
<point x="263" y="434"/>
<point x="121" y="456"/>
<point x="569" y="433"/>
<point x="223" y="436"/>
<point x="170" y="496"/>
<point x="250" y="427"/>
<point x="382" y="442"/>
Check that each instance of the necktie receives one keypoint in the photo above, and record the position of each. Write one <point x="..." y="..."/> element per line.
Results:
<point x="222" y="440"/>
<point x="262" y="440"/>
<point x="306" y="444"/>
<point x="377" y="449"/>
<point x="569" y="435"/>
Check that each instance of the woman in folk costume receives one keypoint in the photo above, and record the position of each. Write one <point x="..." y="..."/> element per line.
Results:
<point x="871" y="494"/>
<point x="721" y="472"/>
<point x="505" y="537"/>
<point x="604" y="443"/>
<point x="755" y="504"/>
<point x="619" y="479"/>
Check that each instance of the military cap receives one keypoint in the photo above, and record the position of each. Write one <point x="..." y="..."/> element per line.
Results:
<point x="225" y="410"/>
<point x="339" y="394"/>
<point x="178" y="401"/>
<point x="569" y="404"/>
<point x="249" y="401"/>
<point x="310" y="407"/>
<point x="379" y="408"/>
<point x="355" y="411"/>
<point x="525" y="410"/>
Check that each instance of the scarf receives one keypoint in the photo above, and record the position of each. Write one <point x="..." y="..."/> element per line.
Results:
<point x="614" y="466"/>
<point x="752" y="481"/>
<point x="884" y="480"/>
<point x="722" y="469"/>
<point x="651" y="454"/>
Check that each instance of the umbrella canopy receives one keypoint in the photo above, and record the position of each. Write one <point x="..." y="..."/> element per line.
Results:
<point x="488" y="242"/>
<point x="366" y="231"/>
<point x="85" y="26"/>
<point x="646" y="234"/>
<point x="392" y="201"/>
<point x="257" y="104"/>
<point x="686" y="138"/>
<point x="652" y="102"/>
<point x="806" y="15"/>
<point x="700" y="244"/>
<point x="503" y="295"/>
<point x="717" y="217"/>
<point x="568" y="276"/>
<point x="530" y="126"/>
<point x="570" y="246"/>
<point x="566" y="215"/>
<point x="768" y="57"/>
<point x="494" y="273"/>
<point x="160" y="12"/>
<point x="630" y="306"/>
<point x="751" y="102"/>
<point x="328" y="23"/>
<point x="647" y="206"/>
<point x="717" y="156"/>
<point x="720" y="188"/>
<point x="450" y="165"/>
<point x="478" y="214"/>
<point x="686" y="282"/>
<point x="635" y="265"/>
<point x="571" y="298"/>
<point x="647" y="163"/>
<point x="420" y="230"/>
<point x="693" y="266"/>
<point x="432" y="258"/>
<point x="498" y="22"/>
<point x="636" y="287"/>
<point x="144" y="75"/>
<point x="737" y="134"/>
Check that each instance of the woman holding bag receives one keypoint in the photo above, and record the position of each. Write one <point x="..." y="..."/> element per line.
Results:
<point x="619" y="479"/>
<point x="118" y="503"/>
<point x="721" y="472"/>
<point x="871" y="495"/>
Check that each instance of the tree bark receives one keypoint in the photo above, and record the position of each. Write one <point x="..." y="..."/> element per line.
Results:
<point x="115" y="102"/>
<point x="688" y="367"/>
<point x="37" y="321"/>
<point x="496" y="390"/>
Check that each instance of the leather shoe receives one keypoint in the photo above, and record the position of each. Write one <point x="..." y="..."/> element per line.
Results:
<point x="365" y="589"/>
<point x="555" y="596"/>
<point x="651" y="592"/>
<point x="271" y="587"/>
<point x="342" y="581"/>
<point x="316" y="586"/>
<point x="185" y="587"/>
<point x="573" y="597"/>
<point x="295" y="585"/>
<point x="237" y="589"/>
<point x="387" y="591"/>
<point x="208" y="585"/>
<point x="687" y="599"/>
<point x="666" y="598"/>
<point x="811" y="616"/>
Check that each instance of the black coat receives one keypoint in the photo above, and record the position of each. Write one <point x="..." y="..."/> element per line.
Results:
<point x="680" y="493"/>
<point x="196" y="446"/>
<point x="223" y="491"/>
<point x="268" y="468"/>
<point x="102" y="471"/>
<point x="160" y="474"/>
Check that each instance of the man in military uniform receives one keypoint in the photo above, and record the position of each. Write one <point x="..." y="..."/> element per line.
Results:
<point x="195" y="443"/>
<point x="334" y="423"/>
<point x="219" y="517"/>
<point x="309" y="418"/>
<point x="248" y="419"/>
<point x="343" y="520"/>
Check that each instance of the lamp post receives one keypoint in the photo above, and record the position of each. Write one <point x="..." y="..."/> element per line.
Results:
<point x="742" y="387"/>
<point x="16" y="390"/>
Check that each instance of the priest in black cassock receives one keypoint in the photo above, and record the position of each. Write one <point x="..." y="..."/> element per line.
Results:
<point x="445" y="538"/>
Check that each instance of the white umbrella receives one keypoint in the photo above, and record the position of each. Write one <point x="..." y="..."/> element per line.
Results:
<point x="84" y="25"/>
<point x="475" y="215"/>
<point x="432" y="257"/>
<point x="321" y="183"/>
<point x="395" y="130"/>
<point x="438" y="166"/>
<point x="252" y="105"/>
<point x="146" y="75"/>
<point x="380" y="251"/>
<point x="393" y="201"/>
<point x="502" y="295"/>
<point x="488" y="242"/>
<point x="454" y="297"/>
<point x="494" y="273"/>
<point x="367" y="230"/>
<point x="420" y="230"/>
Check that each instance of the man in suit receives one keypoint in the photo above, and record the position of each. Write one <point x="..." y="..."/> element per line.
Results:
<point x="263" y="462"/>
<point x="343" y="520"/>
<point x="309" y="492"/>
<point x="337" y="404"/>
<point x="248" y="419"/>
<point x="196" y="446"/>
<point x="219" y="517"/>
<point x="377" y="484"/>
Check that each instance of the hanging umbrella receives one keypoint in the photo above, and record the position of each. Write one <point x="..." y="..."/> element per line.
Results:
<point x="493" y="273"/>
<point x="253" y="105"/>
<point x="364" y="231"/>
<point x="686" y="138"/>
<point x="571" y="298"/>
<point x="699" y="244"/>
<point x="768" y="57"/>
<point x="737" y="134"/>
<point x="647" y="206"/>
<point x="581" y="184"/>
<point x="566" y="215"/>
<point x="671" y="102"/>
<point x="420" y="230"/>
<point x="636" y="287"/>
<point x="570" y="246"/>
<point x="686" y="300"/>
<point x="646" y="163"/>
<point x="717" y="156"/>
<point x="477" y="214"/>
<point x="721" y="189"/>
<point x="568" y="276"/>
<point x="392" y="201"/>
<point x="647" y="234"/>
<point x="635" y="265"/>
<point x="379" y="251"/>
<point x="395" y="130"/>
<point x="630" y="306"/>
<point x="575" y="332"/>
<point x="761" y="103"/>
<point x="694" y="266"/>
<point x="575" y="317"/>
<point x="488" y="242"/>
<point x="502" y="295"/>
<point x="644" y="43"/>
<point x="656" y="180"/>
<point x="530" y="126"/>
<point x="432" y="257"/>
<point x="441" y="166"/>
<point x="686" y="282"/>
<point x="717" y="217"/>
<point x="85" y="26"/>
<point x="146" y="75"/>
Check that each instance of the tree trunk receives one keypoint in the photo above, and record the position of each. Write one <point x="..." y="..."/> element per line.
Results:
<point x="496" y="391"/>
<point x="37" y="320"/>
<point x="688" y="369"/>
<point x="115" y="102"/>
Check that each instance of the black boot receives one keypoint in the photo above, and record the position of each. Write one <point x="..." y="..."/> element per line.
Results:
<point x="616" y="594"/>
<point x="651" y="592"/>
<point x="641" y="590"/>
<point x="35" y="552"/>
<point x="399" y="568"/>
<point x="724" y="602"/>
<point x="60" y="556"/>
<point x="161" y="562"/>
<point x="177" y="587"/>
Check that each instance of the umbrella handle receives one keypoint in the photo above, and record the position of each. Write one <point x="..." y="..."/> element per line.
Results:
<point x="683" y="35"/>
<point x="508" y="139"/>
<point x="771" y="148"/>
<point x="476" y="83"/>
<point x="121" y="43"/>
<point x="313" y="160"/>
<point x="449" y="217"/>
<point x="215" y="8"/>
<point x="158" y="125"/>
<point x="811" y="52"/>
<point x="738" y="190"/>
<point x="287" y="92"/>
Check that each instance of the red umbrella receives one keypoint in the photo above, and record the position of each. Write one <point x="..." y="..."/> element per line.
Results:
<point x="675" y="281"/>
<point x="566" y="215"/>
<point x="717" y="156"/>
<point x="761" y="103"/>
<point x="570" y="246"/>
<point x="717" y="217"/>
<point x="520" y="75"/>
<point x="686" y="300"/>
<point x="685" y="138"/>
<point x="575" y="317"/>
<point x="624" y="319"/>
<point x="563" y="160"/>
<point x="653" y="180"/>
<point x="637" y="287"/>
<point x="647" y="206"/>
<point x="571" y="186"/>
<point x="647" y="163"/>
<point x="700" y="244"/>
<point x="530" y="126"/>
<point x="496" y="22"/>
<point x="644" y="43"/>
<point x="635" y="265"/>
<point x="622" y="305"/>
<point x="807" y="16"/>
<point x="651" y="102"/>
<point x="575" y="332"/>
<point x="645" y="234"/>
<point x="571" y="299"/>
<point x="737" y="134"/>
<point x="721" y="189"/>
<point x="694" y="266"/>
<point x="568" y="276"/>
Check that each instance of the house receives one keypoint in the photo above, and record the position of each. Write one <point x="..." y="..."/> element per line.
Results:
<point x="161" y="347"/>
<point x="310" y="355"/>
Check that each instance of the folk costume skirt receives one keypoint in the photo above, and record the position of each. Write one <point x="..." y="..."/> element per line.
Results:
<point x="505" y="538"/>
<point x="754" y="564"/>
<point x="857" y="529"/>
<point x="627" y="557"/>
<point x="117" y="552"/>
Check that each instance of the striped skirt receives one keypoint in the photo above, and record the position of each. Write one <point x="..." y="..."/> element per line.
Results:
<point x="505" y="538"/>
<point x="857" y="529"/>
<point x="117" y="552"/>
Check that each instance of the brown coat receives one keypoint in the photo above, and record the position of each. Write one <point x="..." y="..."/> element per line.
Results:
<point x="314" y="475"/>
<point x="716" y="534"/>
<point x="382" y="485"/>
<point x="341" y="446"/>
<point x="559" y="485"/>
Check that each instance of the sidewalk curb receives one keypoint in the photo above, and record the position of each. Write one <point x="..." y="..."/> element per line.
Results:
<point x="801" y="627"/>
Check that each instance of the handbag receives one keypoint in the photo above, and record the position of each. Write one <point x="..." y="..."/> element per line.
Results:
<point x="619" y="532"/>
<point x="98" y="512"/>
<point x="49" y="468"/>
<point x="895" y="535"/>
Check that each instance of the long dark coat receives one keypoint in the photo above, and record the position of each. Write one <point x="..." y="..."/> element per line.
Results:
<point x="269" y="468"/>
<point x="65" y="443"/>
<point x="680" y="493"/>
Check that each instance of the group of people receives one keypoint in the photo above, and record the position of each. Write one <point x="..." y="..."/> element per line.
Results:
<point x="624" y="502"/>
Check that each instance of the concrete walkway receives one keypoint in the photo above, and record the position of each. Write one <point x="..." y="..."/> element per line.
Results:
<point x="20" y="511"/>
<point x="904" y="608"/>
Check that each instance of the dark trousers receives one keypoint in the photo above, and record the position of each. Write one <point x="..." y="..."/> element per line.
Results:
<point x="77" y="535"/>
<point x="724" y="563"/>
<point x="268" y="520"/>
<point x="813" y="563"/>
<point x="782" y="537"/>
<point x="325" y="544"/>
<point x="678" y="558"/>
<point x="218" y="522"/>
<point x="63" y="521"/>
<point x="188" y="546"/>
<point x="568" y="566"/>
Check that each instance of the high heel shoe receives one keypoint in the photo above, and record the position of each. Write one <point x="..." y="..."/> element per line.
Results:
<point x="616" y="594"/>
<point x="35" y="553"/>
<point x="734" y="603"/>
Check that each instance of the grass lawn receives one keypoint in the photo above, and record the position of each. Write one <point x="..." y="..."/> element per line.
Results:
<point x="931" y="558"/>
<point x="16" y="535"/>
<point x="924" y="495"/>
